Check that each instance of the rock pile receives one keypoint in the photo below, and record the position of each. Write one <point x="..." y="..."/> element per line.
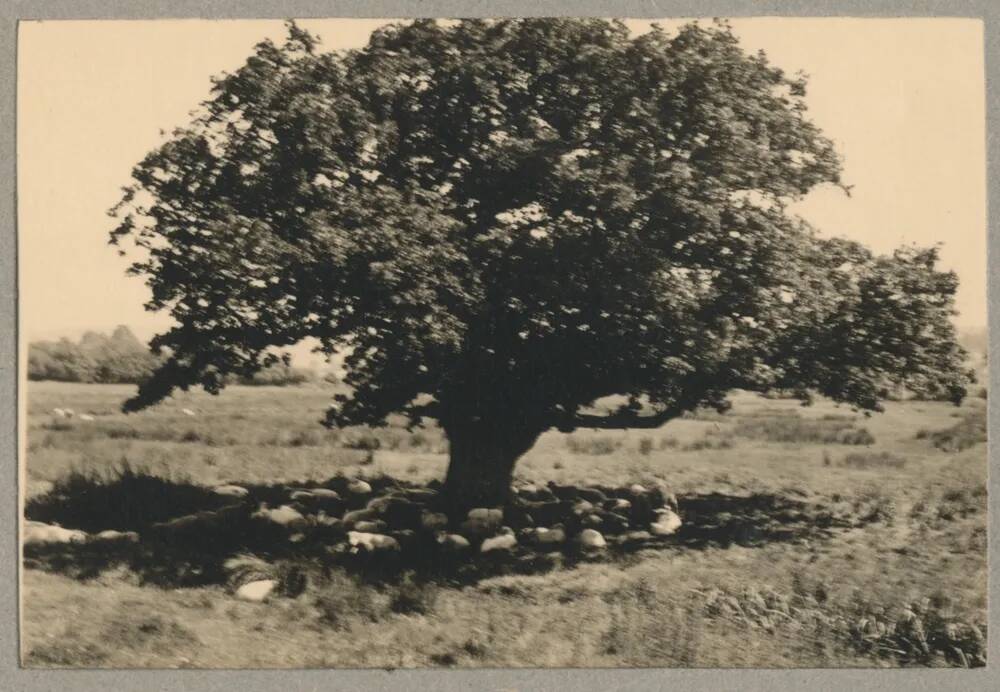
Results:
<point x="377" y="522"/>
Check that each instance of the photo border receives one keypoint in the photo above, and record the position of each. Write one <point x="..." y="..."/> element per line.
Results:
<point x="12" y="677"/>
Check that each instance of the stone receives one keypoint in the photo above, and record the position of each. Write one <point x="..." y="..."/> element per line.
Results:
<point x="563" y="492"/>
<point x="554" y="536"/>
<point x="256" y="591"/>
<point x="357" y="515"/>
<point x="614" y="523"/>
<point x="453" y="541"/>
<point x="549" y="513"/>
<point x="593" y="521"/>
<point x="36" y="532"/>
<point x="667" y="523"/>
<point x="283" y="515"/>
<point x="187" y="412"/>
<point x="321" y="518"/>
<point x="375" y="526"/>
<point x="359" y="487"/>
<point x="407" y="538"/>
<point x="637" y="489"/>
<point x="589" y="539"/>
<point x="403" y="513"/>
<point x="86" y="417"/>
<point x="619" y="504"/>
<point x="582" y="507"/>
<point x="592" y="495"/>
<point x="325" y="493"/>
<point x="379" y="504"/>
<point x="637" y="536"/>
<point x="504" y="542"/>
<point x="371" y="542"/>
<point x="482" y="521"/>
<point x="419" y="494"/>
<point x="433" y="521"/>
<point x="230" y="490"/>
<point x="112" y="535"/>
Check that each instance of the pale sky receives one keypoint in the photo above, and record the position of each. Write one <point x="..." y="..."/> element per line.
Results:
<point x="903" y="99"/>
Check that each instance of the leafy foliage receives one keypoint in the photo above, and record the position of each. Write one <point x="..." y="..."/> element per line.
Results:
<point x="504" y="220"/>
<point x="115" y="359"/>
<point x="122" y="359"/>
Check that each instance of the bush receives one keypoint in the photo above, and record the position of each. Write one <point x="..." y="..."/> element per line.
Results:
<point x="117" y="359"/>
<point x="413" y="597"/>
<point x="123" y="498"/>
<point x="343" y="598"/>
<point x="968" y="432"/>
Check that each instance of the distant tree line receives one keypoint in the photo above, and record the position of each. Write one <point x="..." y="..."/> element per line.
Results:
<point x="121" y="358"/>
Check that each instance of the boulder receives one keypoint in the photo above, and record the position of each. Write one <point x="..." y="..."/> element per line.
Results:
<point x="424" y="495"/>
<point x="282" y="516"/>
<point x="548" y="537"/>
<point x="505" y="542"/>
<point x="403" y="513"/>
<point x="548" y="513"/>
<point x="230" y="490"/>
<point x="36" y="532"/>
<point x="351" y="518"/>
<point x="589" y="539"/>
<point x="321" y="518"/>
<point x="536" y="493"/>
<point x="563" y="492"/>
<point x="325" y="493"/>
<point x="378" y="504"/>
<point x="614" y="523"/>
<point x="452" y="541"/>
<point x="641" y="512"/>
<point x="667" y="523"/>
<point x="112" y="535"/>
<point x="359" y="487"/>
<point x="593" y="521"/>
<point x="373" y="526"/>
<point x="637" y="536"/>
<point x="433" y="521"/>
<point x="582" y="508"/>
<point x="315" y="495"/>
<point x="256" y="591"/>
<point x="618" y="504"/>
<point x="407" y="538"/>
<point x="482" y="521"/>
<point x="371" y="542"/>
<point x="592" y="495"/>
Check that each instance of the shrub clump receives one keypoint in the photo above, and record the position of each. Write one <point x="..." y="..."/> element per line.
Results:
<point x="968" y="432"/>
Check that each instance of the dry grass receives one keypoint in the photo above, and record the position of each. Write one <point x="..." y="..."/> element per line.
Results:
<point x="906" y="544"/>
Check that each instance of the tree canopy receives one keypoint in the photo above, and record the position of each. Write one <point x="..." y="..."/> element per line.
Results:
<point x="505" y="220"/>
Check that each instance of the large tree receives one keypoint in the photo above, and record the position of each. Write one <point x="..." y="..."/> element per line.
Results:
<point x="504" y="221"/>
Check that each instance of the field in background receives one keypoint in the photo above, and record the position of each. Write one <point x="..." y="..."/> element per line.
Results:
<point x="916" y="475"/>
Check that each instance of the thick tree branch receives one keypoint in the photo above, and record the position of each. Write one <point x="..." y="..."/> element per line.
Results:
<point x="623" y="418"/>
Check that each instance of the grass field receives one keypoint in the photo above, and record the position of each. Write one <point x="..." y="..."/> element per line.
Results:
<point x="902" y="583"/>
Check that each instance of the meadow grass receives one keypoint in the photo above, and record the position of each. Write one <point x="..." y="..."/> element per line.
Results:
<point x="841" y="600"/>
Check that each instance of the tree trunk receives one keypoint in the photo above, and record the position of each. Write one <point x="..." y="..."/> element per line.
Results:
<point x="481" y="464"/>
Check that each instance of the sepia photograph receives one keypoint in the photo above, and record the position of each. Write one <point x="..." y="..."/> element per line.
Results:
<point x="502" y="343"/>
